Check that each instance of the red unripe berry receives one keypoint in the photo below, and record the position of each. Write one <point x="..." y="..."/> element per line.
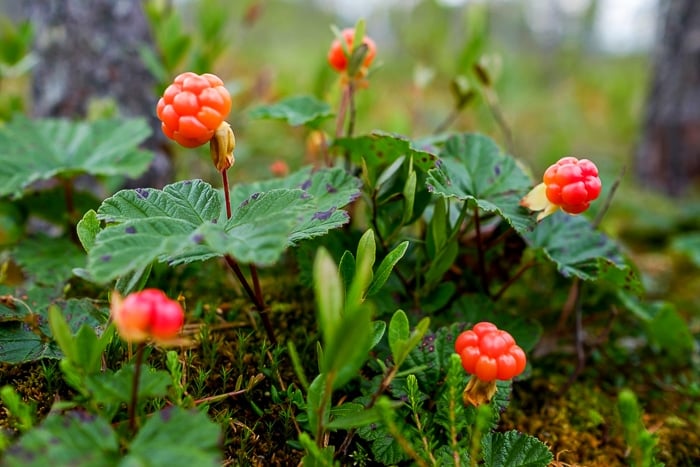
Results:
<point x="193" y="107"/>
<point x="572" y="184"/>
<point x="336" y="55"/>
<point x="490" y="353"/>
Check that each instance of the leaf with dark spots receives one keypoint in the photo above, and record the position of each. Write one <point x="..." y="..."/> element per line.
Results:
<point x="130" y="229"/>
<point x="105" y="258"/>
<point x="469" y="162"/>
<point x="142" y="192"/>
<point x="330" y="188"/>
<point x="579" y="250"/>
<point x="380" y="148"/>
<point x="306" y="185"/>
<point x="323" y="215"/>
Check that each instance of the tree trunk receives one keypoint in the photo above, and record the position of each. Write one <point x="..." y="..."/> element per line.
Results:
<point x="668" y="156"/>
<point x="89" y="49"/>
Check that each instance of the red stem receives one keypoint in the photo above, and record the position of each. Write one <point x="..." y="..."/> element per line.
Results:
<point x="255" y="295"/>
<point x="227" y="194"/>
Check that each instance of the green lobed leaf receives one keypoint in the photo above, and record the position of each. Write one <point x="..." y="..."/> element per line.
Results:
<point x="176" y="436"/>
<point x="380" y="148"/>
<point x="75" y="438"/>
<point x="186" y="222"/>
<point x="579" y="250"/>
<point x="295" y="110"/>
<point x="25" y="334"/>
<point x="325" y="192"/>
<point x="514" y="449"/>
<point x="473" y="168"/>
<point x="115" y="388"/>
<point x="32" y="150"/>
<point x="48" y="260"/>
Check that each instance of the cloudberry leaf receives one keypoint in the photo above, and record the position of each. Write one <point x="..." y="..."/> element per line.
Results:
<point x="514" y="449"/>
<point x="25" y="334"/>
<point x="473" y="168"/>
<point x="33" y="150"/>
<point x="74" y="438"/>
<point x="176" y="436"/>
<point x="186" y="221"/>
<point x="381" y="149"/>
<point x="579" y="250"/>
<point x="295" y="110"/>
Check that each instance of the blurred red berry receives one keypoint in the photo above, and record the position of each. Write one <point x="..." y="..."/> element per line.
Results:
<point x="147" y="314"/>
<point x="336" y="55"/>
<point x="279" y="168"/>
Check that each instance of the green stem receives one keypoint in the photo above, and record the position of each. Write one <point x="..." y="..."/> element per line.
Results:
<point x="135" y="387"/>
<point x="353" y="110"/>
<point x="342" y="110"/>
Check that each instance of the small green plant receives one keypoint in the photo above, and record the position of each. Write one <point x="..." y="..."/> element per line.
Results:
<point x="641" y="442"/>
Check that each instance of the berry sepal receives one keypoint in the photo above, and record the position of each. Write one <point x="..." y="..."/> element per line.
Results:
<point x="221" y="147"/>
<point x="479" y="392"/>
<point x="570" y="184"/>
<point x="536" y="200"/>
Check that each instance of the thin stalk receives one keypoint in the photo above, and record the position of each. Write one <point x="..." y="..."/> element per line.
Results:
<point x="227" y="193"/>
<point x="255" y="292"/>
<point x="513" y="279"/>
<point x="342" y="110"/>
<point x="494" y="106"/>
<point x="580" y="351"/>
<point x="259" y="306"/>
<point x="135" y="387"/>
<point x="353" y="111"/>
<point x="383" y="386"/>
<point x="608" y="200"/>
<point x="448" y="121"/>
<point x="405" y="444"/>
